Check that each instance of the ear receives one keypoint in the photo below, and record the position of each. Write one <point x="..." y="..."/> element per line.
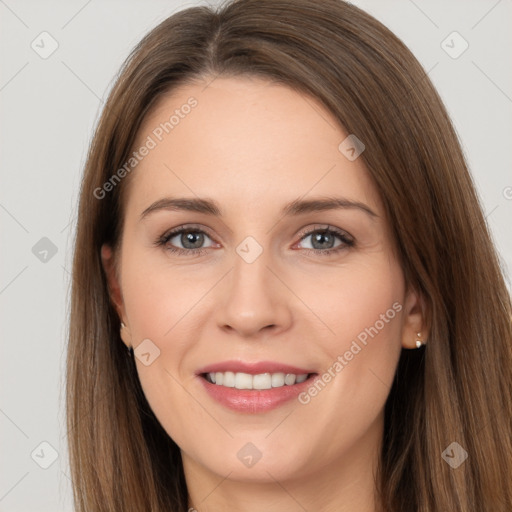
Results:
<point x="414" y="327"/>
<point x="114" y="288"/>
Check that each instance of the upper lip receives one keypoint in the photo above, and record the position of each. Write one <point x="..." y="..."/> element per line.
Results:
<point x="252" y="368"/>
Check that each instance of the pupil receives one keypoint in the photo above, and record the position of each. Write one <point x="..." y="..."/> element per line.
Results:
<point x="322" y="237"/>
<point x="195" y="239"/>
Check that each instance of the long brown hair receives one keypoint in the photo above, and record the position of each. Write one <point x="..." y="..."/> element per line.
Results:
<point x="456" y="389"/>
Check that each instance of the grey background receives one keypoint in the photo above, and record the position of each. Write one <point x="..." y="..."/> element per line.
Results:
<point x="48" y="110"/>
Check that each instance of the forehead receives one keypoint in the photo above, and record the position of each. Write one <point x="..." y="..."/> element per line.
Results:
<point x="246" y="141"/>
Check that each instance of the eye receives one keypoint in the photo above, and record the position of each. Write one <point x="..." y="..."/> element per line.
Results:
<point x="323" y="240"/>
<point x="189" y="240"/>
<point x="185" y="240"/>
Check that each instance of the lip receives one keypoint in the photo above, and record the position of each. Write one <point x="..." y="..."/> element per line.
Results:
<point x="251" y="400"/>
<point x="253" y="368"/>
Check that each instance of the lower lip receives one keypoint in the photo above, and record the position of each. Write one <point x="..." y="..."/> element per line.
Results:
<point x="254" y="400"/>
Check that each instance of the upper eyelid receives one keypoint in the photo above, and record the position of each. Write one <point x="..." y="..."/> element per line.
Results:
<point x="178" y="230"/>
<point x="323" y="227"/>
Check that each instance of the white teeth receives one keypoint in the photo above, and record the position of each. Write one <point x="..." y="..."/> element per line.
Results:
<point x="229" y="380"/>
<point x="277" y="380"/>
<point x="262" y="381"/>
<point x="289" y="380"/>
<point x="241" y="380"/>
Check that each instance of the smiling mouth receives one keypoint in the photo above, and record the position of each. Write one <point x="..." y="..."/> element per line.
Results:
<point x="262" y="381"/>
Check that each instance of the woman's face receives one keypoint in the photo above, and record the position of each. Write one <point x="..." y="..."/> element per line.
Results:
<point x="257" y="286"/>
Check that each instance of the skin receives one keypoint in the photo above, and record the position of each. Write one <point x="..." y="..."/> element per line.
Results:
<point x="254" y="146"/>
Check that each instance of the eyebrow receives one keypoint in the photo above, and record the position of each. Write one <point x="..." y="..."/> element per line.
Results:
<point x="296" y="207"/>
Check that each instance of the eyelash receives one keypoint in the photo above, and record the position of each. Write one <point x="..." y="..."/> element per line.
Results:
<point x="346" y="239"/>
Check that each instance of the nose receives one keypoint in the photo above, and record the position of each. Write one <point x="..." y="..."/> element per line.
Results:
<point x="254" y="299"/>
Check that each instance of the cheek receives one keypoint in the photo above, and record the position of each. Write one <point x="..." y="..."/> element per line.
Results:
<point x="360" y="310"/>
<point x="360" y="303"/>
<point x="159" y="297"/>
<point x="162" y="303"/>
<point x="371" y="322"/>
<point x="364" y="312"/>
